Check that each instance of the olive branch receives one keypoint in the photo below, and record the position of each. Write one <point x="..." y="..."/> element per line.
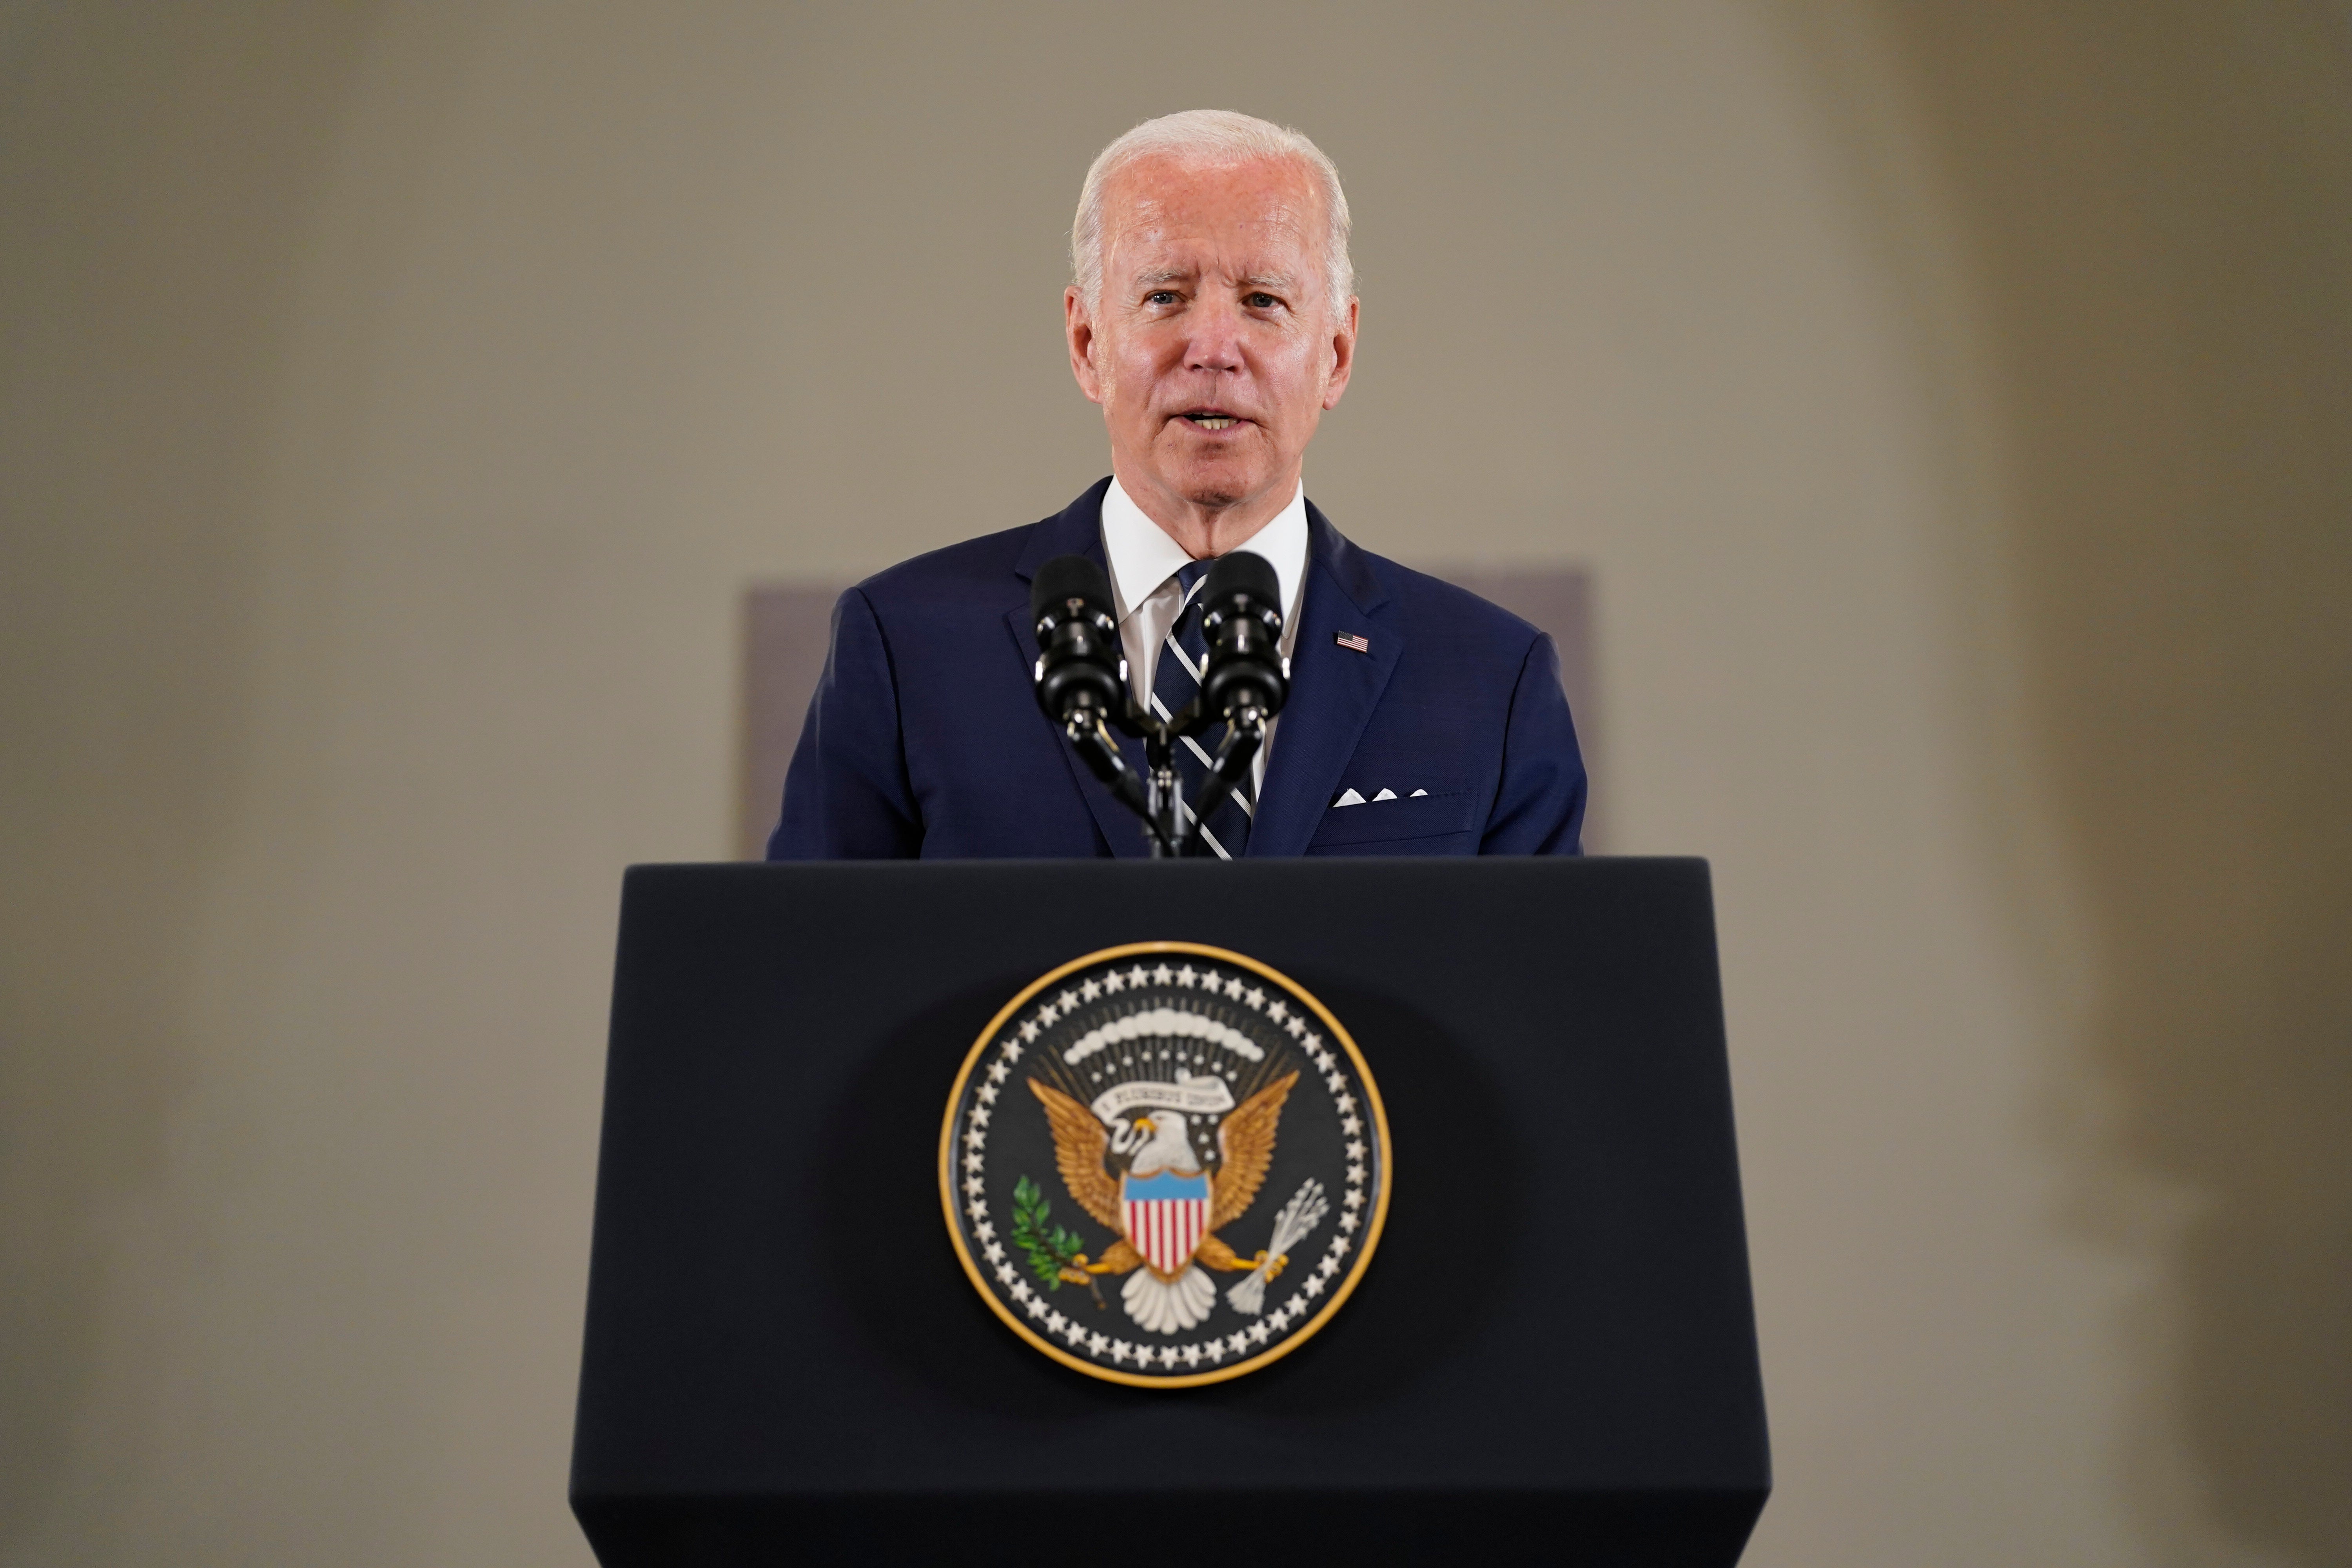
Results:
<point x="1056" y="1254"/>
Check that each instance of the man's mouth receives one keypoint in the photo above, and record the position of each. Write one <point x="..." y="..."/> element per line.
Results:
<point x="1212" y="420"/>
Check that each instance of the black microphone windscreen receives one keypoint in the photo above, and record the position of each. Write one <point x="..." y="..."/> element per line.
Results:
<point x="1245" y="572"/>
<point x="1069" y="577"/>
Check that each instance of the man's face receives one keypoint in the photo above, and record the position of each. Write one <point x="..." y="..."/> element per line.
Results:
<point x="1216" y="347"/>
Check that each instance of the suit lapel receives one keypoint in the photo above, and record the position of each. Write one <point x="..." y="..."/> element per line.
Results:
<point x="1077" y="531"/>
<point x="1333" y="689"/>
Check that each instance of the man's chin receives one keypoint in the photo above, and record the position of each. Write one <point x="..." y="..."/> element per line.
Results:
<point x="1217" y="486"/>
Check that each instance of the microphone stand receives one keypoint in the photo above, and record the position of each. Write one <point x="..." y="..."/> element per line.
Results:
<point x="1081" y="682"/>
<point x="1164" y="816"/>
<point x="1089" y="734"/>
<point x="1245" y="733"/>
<point x="1157" y="795"/>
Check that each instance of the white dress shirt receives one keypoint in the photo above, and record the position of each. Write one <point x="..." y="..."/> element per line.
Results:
<point x="1144" y="561"/>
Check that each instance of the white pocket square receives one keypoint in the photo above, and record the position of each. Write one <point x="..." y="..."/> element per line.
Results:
<point x="1352" y="797"/>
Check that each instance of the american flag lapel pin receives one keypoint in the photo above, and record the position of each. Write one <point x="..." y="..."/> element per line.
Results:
<point x="1352" y="640"/>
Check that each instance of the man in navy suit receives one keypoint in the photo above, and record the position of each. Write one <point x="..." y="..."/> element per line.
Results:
<point x="1212" y="317"/>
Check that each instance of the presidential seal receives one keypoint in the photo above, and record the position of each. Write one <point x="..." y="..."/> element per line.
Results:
<point x="1164" y="1164"/>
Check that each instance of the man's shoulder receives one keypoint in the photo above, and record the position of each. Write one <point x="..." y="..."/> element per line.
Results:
<point x="989" y="566"/>
<point x="988" y="559"/>
<point x="1435" y="597"/>
<point x="1430" y="607"/>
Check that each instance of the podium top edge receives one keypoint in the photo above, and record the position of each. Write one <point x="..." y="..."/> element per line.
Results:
<point x="1526" y="874"/>
<point x="1099" y="865"/>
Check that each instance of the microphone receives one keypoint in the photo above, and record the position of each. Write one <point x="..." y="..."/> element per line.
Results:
<point x="1081" y="678"/>
<point x="1240" y="619"/>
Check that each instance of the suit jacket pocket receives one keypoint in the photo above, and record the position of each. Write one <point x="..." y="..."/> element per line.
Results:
<point x="1383" y="821"/>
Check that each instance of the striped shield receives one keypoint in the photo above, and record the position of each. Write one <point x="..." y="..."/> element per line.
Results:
<point x="1165" y="1214"/>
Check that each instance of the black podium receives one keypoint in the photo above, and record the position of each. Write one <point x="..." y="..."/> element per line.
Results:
<point x="1550" y="1358"/>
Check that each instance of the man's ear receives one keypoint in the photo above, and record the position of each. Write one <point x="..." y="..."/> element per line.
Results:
<point x="1079" y="326"/>
<point x="1343" y="357"/>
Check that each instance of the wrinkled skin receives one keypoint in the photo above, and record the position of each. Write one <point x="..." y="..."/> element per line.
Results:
<point x="1214" y="302"/>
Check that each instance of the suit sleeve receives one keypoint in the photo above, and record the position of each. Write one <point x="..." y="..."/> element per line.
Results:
<point x="846" y="795"/>
<point x="1540" y="809"/>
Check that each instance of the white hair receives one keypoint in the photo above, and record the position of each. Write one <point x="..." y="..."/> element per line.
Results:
<point x="1209" y="136"/>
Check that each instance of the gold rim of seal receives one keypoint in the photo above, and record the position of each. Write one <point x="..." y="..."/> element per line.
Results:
<point x="1191" y="1379"/>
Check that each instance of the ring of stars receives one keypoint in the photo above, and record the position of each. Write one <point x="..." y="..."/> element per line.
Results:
<point x="1302" y="1285"/>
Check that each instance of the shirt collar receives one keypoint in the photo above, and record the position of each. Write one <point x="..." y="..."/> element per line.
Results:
<point x="1142" y="555"/>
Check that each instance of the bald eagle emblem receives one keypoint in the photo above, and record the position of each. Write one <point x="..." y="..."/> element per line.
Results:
<point x="1164" y="1164"/>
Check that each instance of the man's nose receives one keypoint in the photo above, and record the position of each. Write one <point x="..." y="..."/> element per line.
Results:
<point x="1216" y="339"/>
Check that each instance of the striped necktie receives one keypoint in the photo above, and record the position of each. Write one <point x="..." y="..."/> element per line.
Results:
<point x="1177" y="681"/>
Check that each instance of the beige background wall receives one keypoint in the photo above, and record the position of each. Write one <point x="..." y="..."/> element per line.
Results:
<point x="1949" y="400"/>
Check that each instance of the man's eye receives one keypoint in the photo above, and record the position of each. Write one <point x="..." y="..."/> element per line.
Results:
<point x="1261" y="300"/>
<point x="1161" y="297"/>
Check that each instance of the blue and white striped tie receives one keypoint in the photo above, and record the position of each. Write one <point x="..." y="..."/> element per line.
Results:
<point x="1177" y="681"/>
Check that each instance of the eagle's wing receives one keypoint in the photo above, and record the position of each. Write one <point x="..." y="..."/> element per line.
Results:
<point x="1245" y="1138"/>
<point x="1079" y="1140"/>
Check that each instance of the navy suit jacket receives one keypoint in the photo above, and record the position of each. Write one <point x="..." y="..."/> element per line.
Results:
<point x="924" y="737"/>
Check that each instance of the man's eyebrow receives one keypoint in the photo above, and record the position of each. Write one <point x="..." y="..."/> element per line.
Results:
<point x="1280" y="282"/>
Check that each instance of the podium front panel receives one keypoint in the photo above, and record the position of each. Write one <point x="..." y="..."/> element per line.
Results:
<point x="1550" y="1358"/>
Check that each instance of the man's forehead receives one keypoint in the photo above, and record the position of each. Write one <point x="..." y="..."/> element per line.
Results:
<point x="1168" y="193"/>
